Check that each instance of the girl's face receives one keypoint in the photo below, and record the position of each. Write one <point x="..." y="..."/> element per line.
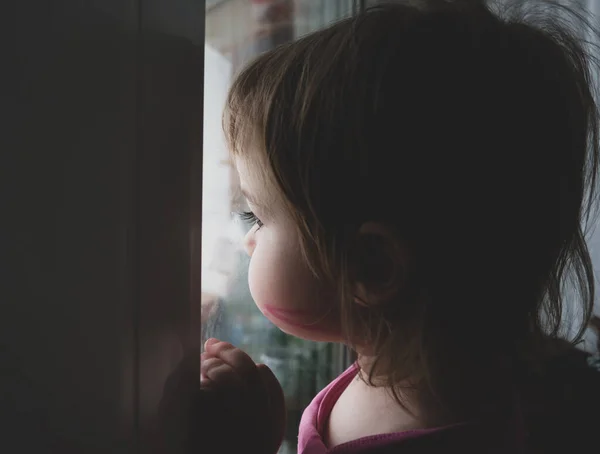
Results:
<point x="282" y="286"/>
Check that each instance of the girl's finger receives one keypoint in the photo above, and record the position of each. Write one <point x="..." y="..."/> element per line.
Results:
<point x="235" y="357"/>
<point x="216" y="372"/>
<point x="210" y="341"/>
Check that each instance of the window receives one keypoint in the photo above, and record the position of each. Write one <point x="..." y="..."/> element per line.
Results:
<point x="236" y="31"/>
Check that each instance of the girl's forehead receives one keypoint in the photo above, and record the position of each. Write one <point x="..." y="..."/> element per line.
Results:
<point x="247" y="171"/>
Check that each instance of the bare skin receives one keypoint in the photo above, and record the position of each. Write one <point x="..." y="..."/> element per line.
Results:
<point x="364" y="410"/>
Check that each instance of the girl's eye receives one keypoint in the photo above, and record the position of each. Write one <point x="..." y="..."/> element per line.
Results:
<point x="250" y="217"/>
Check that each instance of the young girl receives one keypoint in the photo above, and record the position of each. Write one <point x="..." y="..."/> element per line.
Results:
<point x="419" y="177"/>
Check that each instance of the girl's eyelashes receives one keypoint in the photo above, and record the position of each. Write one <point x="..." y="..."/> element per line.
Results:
<point x="250" y="217"/>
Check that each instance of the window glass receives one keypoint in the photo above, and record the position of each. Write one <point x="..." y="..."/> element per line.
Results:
<point x="236" y="31"/>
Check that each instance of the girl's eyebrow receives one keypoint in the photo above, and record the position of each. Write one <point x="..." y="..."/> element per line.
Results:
<point x="251" y="199"/>
<point x="265" y="208"/>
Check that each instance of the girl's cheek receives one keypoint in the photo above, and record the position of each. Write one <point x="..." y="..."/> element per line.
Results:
<point x="265" y="278"/>
<point x="258" y="279"/>
<point x="289" y="298"/>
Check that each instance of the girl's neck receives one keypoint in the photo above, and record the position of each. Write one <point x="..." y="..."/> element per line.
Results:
<point x="414" y="401"/>
<point x="403" y="390"/>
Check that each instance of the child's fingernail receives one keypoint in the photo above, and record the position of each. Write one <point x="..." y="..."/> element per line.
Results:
<point x="210" y="341"/>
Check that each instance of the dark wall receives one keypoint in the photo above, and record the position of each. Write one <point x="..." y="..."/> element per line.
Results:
<point x="99" y="181"/>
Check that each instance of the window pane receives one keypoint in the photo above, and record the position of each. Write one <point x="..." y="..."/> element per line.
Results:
<point x="236" y="31"/>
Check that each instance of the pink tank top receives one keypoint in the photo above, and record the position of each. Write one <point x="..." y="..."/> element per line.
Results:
<point x="464" y="438"/>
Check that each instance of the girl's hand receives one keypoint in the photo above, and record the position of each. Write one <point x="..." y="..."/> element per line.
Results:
<point x="251" y="399"/>
<point x="220" y="402"/>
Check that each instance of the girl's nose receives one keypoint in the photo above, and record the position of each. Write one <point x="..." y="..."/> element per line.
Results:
<point x="249" y="242"/>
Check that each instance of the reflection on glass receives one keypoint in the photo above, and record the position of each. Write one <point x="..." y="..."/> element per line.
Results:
<point x="236" y="31"/>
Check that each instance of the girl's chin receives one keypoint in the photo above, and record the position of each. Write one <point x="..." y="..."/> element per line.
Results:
<point x="301" y="324"/>
<point x="309" y="333"/>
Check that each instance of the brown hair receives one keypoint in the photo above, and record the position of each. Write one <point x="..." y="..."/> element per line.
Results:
<point x="473" y="134"/>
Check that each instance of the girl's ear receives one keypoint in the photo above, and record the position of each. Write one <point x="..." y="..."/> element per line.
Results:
<point x="378" y="265"/>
